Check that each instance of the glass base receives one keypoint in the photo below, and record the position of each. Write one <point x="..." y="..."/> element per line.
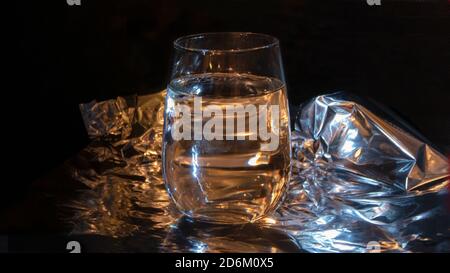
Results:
<point x="221" y="216"/>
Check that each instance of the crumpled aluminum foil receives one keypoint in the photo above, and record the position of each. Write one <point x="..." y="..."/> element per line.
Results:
<point x="362" y="181"/>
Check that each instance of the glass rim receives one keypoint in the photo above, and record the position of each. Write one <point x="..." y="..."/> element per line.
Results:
<point x="271" y="42"/>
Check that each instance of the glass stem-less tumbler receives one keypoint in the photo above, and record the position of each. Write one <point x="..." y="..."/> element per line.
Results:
<point x="226" y="150"/>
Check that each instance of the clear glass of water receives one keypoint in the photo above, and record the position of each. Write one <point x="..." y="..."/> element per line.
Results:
<point x="226" y="146"/>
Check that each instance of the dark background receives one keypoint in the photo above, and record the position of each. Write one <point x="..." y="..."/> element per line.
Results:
<point x="397" y="53"/>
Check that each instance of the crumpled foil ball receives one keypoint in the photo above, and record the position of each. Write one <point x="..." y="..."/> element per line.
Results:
<point x="362" y="181"/>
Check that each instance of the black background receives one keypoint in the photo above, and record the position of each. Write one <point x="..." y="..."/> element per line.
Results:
<point x="397" y="53"/>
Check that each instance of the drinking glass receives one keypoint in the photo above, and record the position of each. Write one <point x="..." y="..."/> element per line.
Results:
<point x="226" y="144"/>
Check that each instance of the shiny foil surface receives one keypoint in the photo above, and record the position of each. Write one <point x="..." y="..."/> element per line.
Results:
<point x="362" y="181"/>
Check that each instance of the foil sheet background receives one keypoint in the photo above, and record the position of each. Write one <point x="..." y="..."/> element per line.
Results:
<point x="362" y="181"/>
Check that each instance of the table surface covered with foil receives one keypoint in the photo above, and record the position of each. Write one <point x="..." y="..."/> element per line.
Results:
<point x="362" y="181"/>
